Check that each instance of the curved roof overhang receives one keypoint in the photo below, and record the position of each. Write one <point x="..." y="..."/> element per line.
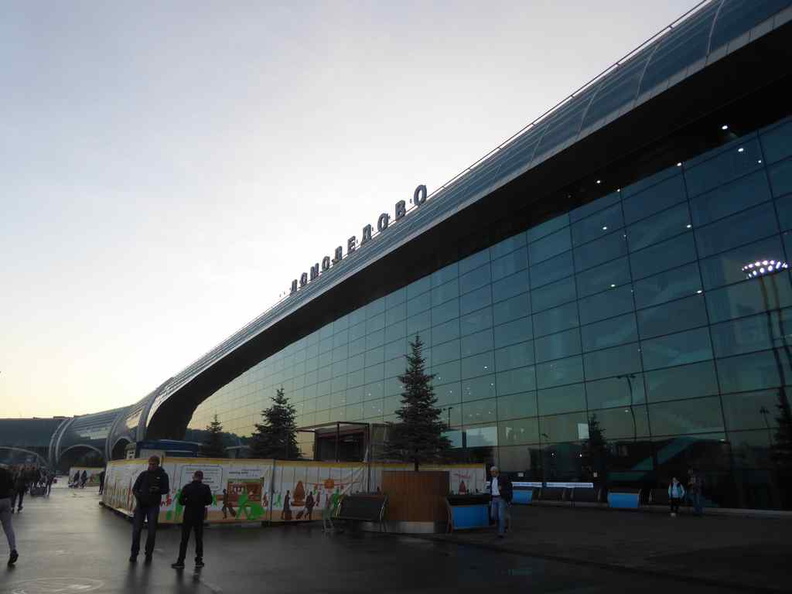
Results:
<point x="444" y="230"/>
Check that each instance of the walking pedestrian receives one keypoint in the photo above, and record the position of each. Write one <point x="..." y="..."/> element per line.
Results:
<point x="695" y="488"/>
<point x="194" y="497"/>
<point x="83" y="479"/>
<point x="149" y="487"/>
<point x="6" y="487"/>
<point x="676" y="493"/>
<point x="20" y="486"/>
<point x="101" y="481"/>
<point x="228" y="507"/>
<point x="502" y="491"/>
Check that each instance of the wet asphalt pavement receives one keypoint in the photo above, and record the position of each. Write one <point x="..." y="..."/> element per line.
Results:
<point x="69" y="544"/>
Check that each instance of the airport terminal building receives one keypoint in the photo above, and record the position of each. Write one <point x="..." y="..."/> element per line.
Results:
<point x="605" y="297"/>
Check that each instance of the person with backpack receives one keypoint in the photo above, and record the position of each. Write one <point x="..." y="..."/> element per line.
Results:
<point x="501" y="490"/>
<point x="676" y="493"/>
<point x="6" y="508"/>
<point x="194" y="497"/>
<point x="149" y="487"/>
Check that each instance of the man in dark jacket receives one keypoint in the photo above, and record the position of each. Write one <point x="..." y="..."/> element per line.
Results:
<point x="6" y="487"/>
<point x="194" y="497"/>
<point x="502" y="491"/>
<point x="148" y="490"/>
<point x="20" y="486"/>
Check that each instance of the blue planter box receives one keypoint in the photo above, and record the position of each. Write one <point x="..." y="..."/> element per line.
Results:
<point x="624" y="500"/>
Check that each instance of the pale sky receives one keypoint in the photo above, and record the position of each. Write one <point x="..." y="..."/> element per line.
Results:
<point x="169" y="167"/>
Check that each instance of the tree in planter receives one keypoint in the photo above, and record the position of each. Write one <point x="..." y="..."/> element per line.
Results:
<point x="276" y="437"/>
<point x="212" y="446"/>
<point x="418" y="437"/>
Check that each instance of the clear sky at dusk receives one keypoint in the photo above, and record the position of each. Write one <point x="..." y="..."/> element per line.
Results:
<point x="168" y="167"/>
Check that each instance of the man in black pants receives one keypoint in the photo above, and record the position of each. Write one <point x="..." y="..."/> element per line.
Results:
<point x="194" y="497"/>
<point x="148" y="490"/>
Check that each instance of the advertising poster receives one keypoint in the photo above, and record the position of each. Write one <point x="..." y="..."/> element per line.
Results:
<point x="300" y="490"/>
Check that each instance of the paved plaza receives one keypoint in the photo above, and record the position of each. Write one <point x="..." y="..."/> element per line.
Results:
<point x="68" y="543"/>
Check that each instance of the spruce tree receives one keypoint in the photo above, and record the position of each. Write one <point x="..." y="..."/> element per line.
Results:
<point x="595" y="452"/>
<point x="418" y="437"/>
<point x="212" y="446"/>
<point x="276" y="437"/>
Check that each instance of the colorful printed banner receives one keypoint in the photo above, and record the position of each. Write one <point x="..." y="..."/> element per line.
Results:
<point x="266" y="490"/>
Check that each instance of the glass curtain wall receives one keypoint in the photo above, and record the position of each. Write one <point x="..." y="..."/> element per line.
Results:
<point x="620" y="343"/>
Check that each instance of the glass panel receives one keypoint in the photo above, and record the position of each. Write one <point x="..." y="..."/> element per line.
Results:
<point x="510" y="286"/>
<point x="608" y="248"/>
<point x="667" y="286"/>
<point x="518" y="431"/>
<point x="781" y="177"/>
<point x="556" y="319"/>
<point x="598" y="225"/>
<point x="622" y="390"/>
<point x="477" y="365"/>
<point x="559" y="372"/>
<point x="784" y="209"/>
<point x="511" y="309"/>
<point x="654" y="199"/>
<point x="777" y="142"/>
<point x="605" y="305"/>
<point x="587" y="210"/>
<point x="445" y="352"/>
<point x="514" y="356"/>
<point x="562" y="399"/>
<point x="663" y="256"/>
<point x="602" y="278"/>
<point x="446" y="372"/>
<point x="479" y="388"/>
<point x="612" y="332"/>
<point x="726" y="268"/>
<point x="747" y="298"/>
<point x="735" y="230"/>
<point x="552" y="270"/>
<point x="481" y="411"/>
<point x="516" y="380"/>
<point x="554" y="294"/>
<point x="476" y="321"/>
<point x="701" y="415"/>
<point x="738" y="159"/>
<point x="614" y="361"/>
<point x="513" y="332"/>
<point x="474" y="261"/>
<point x="569" y="427"/>
<point x="444" y="275"/>
<point x="754" y="410"/>
<point x="445" y="332"/>
<point x="676" y="316"/>
<point x="420" y="286"/>
<point x="477" y="343"/>
<point x="731" y="198"/>
<point x="556" y="346"/>
<point x="752" y="372"/>
<point x="445" y="312"/>
<point x="518" y="405"/>
<point x="677" y="383"/>
<point x="474" y="279"/>
<point x="677" y="349"/>
<point x="659" y="227"/>
<point x="507" y="246"/>
<point x="445" y="292"/>
<point x="626" y="422"/>
<point x="418" y="304"/>
<point x="550" y="246"/>
<point x="475" y="300"/>
<point x="547" y="227"/>
<point x="754" y="333"/>
<point x="509" y="264"/>
<point x="418" y="324"/>
<point x="449" y="394"/>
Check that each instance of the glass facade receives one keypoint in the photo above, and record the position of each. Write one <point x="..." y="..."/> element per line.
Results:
<point x="619" y="343"/>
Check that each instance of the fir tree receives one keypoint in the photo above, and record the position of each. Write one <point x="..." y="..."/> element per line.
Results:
<point x="212" y="446"/>
<point x="418" y="437"/>
<point x="595" y="452"/>
<point x="276" y="437"/>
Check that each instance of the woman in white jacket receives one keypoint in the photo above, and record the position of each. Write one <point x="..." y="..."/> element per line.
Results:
<point x="676" y="492"/>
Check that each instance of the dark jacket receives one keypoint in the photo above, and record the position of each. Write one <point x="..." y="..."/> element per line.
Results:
<point x="505" y="487"/>
<point x="150" y="486"/>
<point x="6" y="483"/>
<point x="195" y="497"/>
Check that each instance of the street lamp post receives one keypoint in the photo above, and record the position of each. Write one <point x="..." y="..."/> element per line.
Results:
<point x="630" y="377"/>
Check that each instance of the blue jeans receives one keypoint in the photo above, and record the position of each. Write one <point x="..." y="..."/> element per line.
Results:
<point x="150" y="514"/>
<point x="499" y="508"/>
<point x="698" y="504"/>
